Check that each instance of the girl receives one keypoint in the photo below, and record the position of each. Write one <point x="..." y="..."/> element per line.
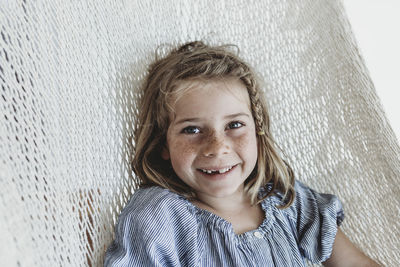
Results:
<point x="213" y="189"/>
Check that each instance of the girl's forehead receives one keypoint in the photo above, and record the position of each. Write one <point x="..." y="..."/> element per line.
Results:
<point x="231" y="85"/>
<point x="227" y="94"/>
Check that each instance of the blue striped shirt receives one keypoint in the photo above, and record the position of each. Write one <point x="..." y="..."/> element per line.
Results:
<point x="161" y="228"/>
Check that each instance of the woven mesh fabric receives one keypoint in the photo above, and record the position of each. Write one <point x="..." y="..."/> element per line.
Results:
<point x="69" y="71"/>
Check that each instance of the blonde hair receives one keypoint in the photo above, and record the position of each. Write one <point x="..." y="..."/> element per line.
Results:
<point x="196" y="60"/>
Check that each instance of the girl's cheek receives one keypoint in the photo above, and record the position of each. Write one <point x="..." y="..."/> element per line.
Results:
<point x="182" y="146"/>
<point x="182" y="154"/>
<point x="245" y="141"/>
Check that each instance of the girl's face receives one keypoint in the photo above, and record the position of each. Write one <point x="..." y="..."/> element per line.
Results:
<point x="211" y="140"/>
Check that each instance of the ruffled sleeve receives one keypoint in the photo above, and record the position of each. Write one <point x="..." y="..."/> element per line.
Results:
<point x="153" y="230"/>
<point x="315" y="218"/>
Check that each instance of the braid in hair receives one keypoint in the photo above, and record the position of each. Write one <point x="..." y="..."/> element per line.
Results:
<point x="277" y="171"/>
<point x="256" y="105"/>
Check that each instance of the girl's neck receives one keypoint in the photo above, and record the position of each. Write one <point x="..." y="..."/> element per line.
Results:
<point x="236" y="209"/>
<point x="224" y="205"/>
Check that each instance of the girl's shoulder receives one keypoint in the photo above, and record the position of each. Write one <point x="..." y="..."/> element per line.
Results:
<point x="155" y="225"/>
<point x="309" y="204"/>
<point x="154" y="200"/>
<point x="154" y="211"/>
<point x="312" y="218"/>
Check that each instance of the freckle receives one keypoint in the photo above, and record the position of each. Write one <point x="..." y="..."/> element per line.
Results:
<point x="185" y="146"/>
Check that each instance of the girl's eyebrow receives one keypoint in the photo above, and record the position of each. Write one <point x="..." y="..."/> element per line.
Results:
<point x="187" y="120"/>
<point x="230" y="116"/>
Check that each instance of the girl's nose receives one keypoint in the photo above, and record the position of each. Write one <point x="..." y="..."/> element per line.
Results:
<point x="215" y="145"/>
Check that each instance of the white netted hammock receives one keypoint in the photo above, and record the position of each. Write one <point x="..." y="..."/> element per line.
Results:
<point x="69" y="71"/>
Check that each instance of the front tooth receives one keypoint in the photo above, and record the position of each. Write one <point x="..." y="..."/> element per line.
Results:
<point x="219" y="171"/>
<point x="225" y="170"/>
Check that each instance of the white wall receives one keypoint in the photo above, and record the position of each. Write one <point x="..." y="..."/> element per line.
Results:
<point x="376" y="25"/>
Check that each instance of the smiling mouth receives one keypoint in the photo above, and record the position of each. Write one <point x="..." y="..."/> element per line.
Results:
<point x="217" y="171"/>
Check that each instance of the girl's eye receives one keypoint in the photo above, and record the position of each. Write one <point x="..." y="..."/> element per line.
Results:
<point x="235" y="124"/>
<point x="191" y="130"/>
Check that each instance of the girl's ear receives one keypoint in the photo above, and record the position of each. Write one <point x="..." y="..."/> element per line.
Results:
<point x="165" y="153"/>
